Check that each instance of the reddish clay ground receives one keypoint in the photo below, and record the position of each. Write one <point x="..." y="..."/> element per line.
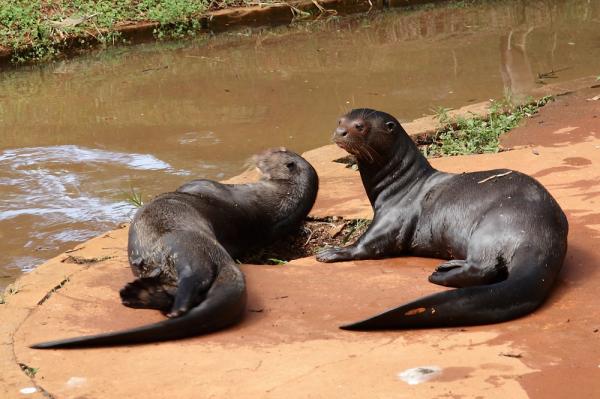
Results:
<point x="289" y="344"/>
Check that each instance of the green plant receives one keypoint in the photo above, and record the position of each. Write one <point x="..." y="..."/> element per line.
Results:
<point x="476" y="135"/>
<point x="29" y="371"/>
<point x="40" y="29"/>
<point x="276" y="261"/>
<point x="134" y="198"/>
<point x="441" y="114"/>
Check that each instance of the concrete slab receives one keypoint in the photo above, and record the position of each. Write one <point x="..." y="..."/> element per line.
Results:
<point x="289" y="345"/>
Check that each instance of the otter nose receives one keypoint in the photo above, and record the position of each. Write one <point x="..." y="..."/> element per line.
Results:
<point x="340" y="132"/>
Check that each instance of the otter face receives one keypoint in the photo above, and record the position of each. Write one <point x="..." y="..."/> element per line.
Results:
<point x="366" y="133"/>
<point x="277" y="164"/>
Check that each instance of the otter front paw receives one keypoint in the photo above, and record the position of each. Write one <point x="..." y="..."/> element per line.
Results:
<point x="334" y="254"/>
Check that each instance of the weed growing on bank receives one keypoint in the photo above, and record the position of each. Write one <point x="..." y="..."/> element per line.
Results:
<point x="463" y="136"/>
<point x="134" y="197"/>
<point x="41" y="29"/>
<point x="28" y="370"/>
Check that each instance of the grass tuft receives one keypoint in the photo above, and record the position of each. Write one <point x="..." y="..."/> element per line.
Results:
<point x="463" y="136"/>
<point x="134" y="198"/>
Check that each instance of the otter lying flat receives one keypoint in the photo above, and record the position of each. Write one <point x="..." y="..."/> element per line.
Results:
<point x="182" y="247"/>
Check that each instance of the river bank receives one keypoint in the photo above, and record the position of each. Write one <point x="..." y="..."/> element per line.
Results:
<point x="43" y="30"/>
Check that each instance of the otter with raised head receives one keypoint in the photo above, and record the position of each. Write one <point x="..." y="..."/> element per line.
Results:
<point x="182" y="247"/>
<point x="503" y="234"/>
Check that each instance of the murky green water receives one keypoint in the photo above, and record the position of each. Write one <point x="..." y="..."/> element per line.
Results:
<point x="76" y="135"/>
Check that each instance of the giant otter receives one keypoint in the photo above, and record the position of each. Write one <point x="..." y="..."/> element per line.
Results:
<point x="183" y="245"/>
<point x="503" y="234"/>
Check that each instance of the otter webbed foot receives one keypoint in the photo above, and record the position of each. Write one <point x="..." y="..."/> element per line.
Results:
<point x="146" y="293"/>
<point x="188" y="293"/>
<point x="453" y="273"/>
<point x="335" y="254"/>
<point x="458" y="273"/>
<point x="462" y="273"/>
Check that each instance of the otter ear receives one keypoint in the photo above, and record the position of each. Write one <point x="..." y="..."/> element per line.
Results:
<point x="390" y="126"/>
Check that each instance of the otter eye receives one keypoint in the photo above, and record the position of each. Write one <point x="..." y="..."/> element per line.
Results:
<point x="359" y="126"/>
<point x="390" y="125"/>
<point x="339" y="121"/>
<point x="290" y="165"/>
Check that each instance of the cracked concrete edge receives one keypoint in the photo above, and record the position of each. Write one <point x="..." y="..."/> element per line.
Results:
<point x="32" y="288"/>
<point x="29" y="291"/>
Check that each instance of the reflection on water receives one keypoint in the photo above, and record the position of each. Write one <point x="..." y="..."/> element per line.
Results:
<point x="76" y="135"/>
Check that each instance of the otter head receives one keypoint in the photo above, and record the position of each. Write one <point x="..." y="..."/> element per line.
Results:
<point x="292" y="185"/>
<point x="367" y="134"/>
<point x="279" y="164"/>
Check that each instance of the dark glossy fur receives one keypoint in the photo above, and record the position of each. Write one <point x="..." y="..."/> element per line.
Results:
<point x="182" y="247"/>
<point x="504" y="235"/>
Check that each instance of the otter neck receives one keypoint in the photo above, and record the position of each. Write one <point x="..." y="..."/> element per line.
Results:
<point x="401" y="168"/>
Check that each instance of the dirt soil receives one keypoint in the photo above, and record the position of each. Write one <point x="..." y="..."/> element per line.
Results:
<point x="289" y="345"/>
<point x="314" y="235"/>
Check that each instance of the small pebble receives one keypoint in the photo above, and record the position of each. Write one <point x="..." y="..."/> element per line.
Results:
<point x="419" y="375"/>
<point x="76" y="382"/>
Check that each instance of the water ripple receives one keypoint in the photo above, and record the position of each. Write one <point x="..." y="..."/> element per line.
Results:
<point x="21" y="157"/>
<point x="61" y="194"/>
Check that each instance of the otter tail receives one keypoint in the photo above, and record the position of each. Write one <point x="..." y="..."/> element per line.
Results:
<point x="525" y="289"/>
<point x="223" y="306"/>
